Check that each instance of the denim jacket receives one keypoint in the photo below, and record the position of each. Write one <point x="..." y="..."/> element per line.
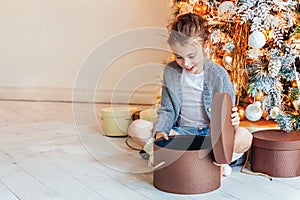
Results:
<point x="216" y="80"/>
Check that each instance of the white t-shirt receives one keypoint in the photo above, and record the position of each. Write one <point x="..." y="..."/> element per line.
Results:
<point x="192" y="109"/>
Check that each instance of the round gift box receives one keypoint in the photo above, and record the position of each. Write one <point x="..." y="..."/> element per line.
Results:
<point x="276" y="153"/>
<point x="186" y="165"/>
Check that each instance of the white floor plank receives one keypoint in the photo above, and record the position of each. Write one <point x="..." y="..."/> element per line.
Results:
<point x="62" y="185"/>
<point x="93" y="175"/>
<point x="248" y="185"/>
<point x="292" y="182"/>
<point x="22" y="183"/>
<point x="6" y="193"/>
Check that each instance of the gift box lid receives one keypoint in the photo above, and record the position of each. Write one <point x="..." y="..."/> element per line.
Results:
<point x="222" y="131"/>
<point x="277" y="139"/>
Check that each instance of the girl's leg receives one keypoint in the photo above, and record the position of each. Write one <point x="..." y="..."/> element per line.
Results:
<point x="242" y="140"/>
<point x="140" y="131"/>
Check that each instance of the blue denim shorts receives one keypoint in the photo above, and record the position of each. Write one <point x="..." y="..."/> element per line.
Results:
<point x="187" y="130"/>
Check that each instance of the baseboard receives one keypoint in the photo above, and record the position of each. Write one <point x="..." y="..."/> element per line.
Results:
<point x="86" y="96"/>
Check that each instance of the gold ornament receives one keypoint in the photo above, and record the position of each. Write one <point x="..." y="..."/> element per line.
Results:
<point x="201" y="8"/>
<point x="295" y="84"/>
<point x="265" y="114"/>
<point x="217" y="59"/>
<point x="241" y="111"/>
<point x="259" y="96"/>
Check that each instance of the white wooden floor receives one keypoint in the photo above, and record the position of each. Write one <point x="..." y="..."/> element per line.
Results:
<point x="47" y="151"/>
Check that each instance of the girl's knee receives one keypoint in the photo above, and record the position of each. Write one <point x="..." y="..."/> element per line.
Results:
<point x="140" y="131"/>
<point x="242" y="140"/>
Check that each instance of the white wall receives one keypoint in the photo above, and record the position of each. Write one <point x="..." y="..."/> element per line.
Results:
<point x="44" y="45"/>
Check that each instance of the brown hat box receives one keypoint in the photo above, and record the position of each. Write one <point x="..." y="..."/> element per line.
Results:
<point x="276" y="153"/>
<point x="186" y="163"/>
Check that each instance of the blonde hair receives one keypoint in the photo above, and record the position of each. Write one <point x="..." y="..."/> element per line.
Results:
<point x="188" y="26"/>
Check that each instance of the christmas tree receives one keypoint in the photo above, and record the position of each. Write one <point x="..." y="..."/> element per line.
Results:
<point x="256" y="42"/>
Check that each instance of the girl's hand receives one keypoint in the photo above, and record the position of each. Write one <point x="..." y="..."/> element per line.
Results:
<point x="235" y="119"/>
<point x="162" y="135"/>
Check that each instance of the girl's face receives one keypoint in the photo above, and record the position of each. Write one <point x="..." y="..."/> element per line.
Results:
<point x="189" y="56"/>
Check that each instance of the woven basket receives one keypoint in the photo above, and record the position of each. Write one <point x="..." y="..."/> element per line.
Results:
<point x="276" y="153"/>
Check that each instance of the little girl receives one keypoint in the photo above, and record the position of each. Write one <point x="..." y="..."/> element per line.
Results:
<point x="189" y="85"/>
